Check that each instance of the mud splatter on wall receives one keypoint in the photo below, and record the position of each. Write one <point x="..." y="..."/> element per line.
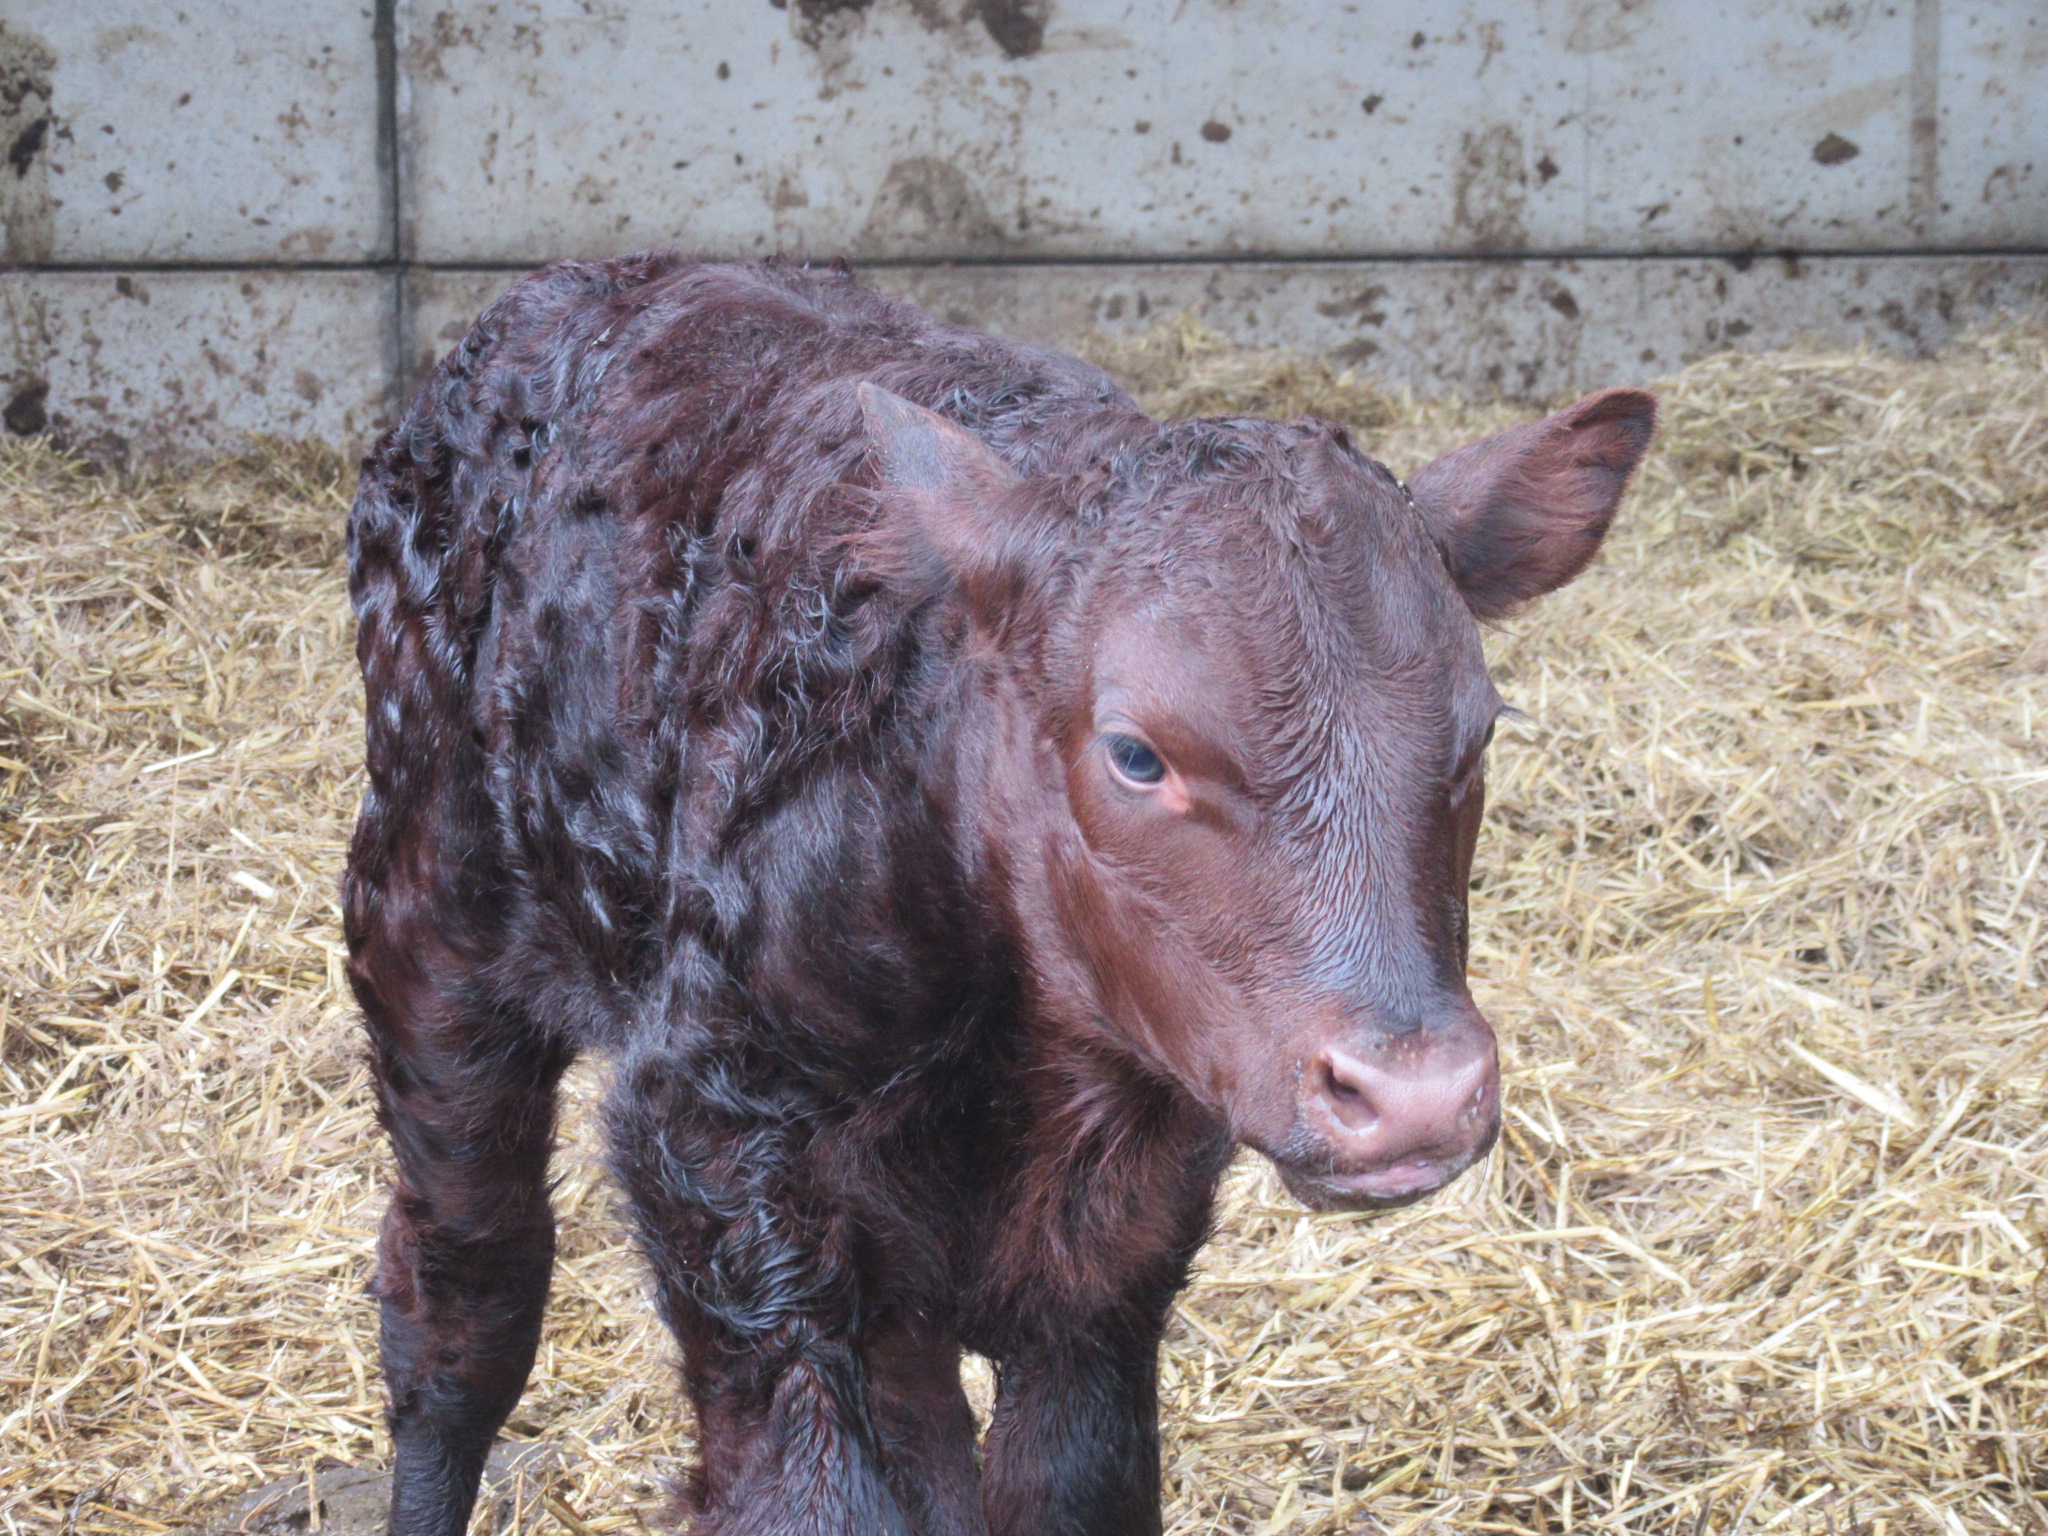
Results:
<point x="1490" y="189"/>
<point x="27" y="131"/>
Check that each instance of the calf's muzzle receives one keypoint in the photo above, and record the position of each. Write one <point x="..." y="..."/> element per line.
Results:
<point x="1386" y="1119"/>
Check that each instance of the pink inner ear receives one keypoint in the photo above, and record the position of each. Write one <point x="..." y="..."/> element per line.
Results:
<point x="1522" y="513"/>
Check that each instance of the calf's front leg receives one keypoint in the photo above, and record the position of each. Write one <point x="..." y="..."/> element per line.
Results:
<point x="924" y="1425"/>
<point x="1109" y="1204"/>
<point x="1073" y="1445"/>
<point x="755" y="1277"/>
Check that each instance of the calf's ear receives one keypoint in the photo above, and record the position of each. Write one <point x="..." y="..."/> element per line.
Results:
<point x="954" y="511"/>
<point x="1521" y="514"/>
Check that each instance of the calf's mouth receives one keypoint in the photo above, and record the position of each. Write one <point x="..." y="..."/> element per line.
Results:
<point x="1385" y="1188"/>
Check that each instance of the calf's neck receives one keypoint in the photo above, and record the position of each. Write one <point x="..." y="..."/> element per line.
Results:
<point x="962" y="808"/>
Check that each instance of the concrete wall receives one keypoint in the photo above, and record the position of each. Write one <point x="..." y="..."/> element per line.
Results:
<point x="233" y="217"/>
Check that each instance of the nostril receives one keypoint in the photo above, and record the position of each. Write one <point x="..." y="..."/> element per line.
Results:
<point x="1345" y="1094"/>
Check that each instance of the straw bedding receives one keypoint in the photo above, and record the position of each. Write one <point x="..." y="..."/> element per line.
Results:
<point x="1759" y="916"/>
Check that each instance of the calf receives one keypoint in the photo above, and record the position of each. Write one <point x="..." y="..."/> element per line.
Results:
<point x="962" y="809"/>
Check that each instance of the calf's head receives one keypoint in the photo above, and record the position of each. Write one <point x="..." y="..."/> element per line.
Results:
<point x="1236" y="773"/>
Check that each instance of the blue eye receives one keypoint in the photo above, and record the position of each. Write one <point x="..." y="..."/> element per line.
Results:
<point x="1134" y="761"/>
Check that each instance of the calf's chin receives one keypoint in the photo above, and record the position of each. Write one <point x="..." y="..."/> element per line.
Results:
<point x="1385" y="1189"/>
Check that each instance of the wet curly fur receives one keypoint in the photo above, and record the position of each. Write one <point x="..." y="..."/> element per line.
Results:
<point x="652" y="766"/>
<point x="726" y="639"/>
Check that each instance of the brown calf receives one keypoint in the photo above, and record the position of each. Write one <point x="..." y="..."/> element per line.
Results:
<point x="962" y="809"/>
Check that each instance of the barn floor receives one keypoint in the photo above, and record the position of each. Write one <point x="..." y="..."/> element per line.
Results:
<point x="1760" y="918"/>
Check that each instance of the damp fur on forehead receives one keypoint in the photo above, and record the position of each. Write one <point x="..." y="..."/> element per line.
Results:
<point x="1200" y="452"/>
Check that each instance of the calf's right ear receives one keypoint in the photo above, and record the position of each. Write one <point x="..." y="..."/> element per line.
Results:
<point x="1522" y="513"/>
<point x="953" y="511"/>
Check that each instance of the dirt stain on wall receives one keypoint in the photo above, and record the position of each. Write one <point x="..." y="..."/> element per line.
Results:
<point x="27" y="126"/>
<point x="928" y="204"/>
<point x="1834" y="149"/>
<point x="1490" y="190"/>
<point x="1599" y="26"/>
<point x="818" y="22"/>
<point x="25" y="355"/>
<point x="1018" y="26"/>
<point x="1015" y="26"/>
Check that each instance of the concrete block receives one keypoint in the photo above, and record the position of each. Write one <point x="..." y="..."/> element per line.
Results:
<point x="237" y="130"/>
<point x="134" y="367"/>
<point x="1522" y="328"/>
<point x="1017" y="129"/>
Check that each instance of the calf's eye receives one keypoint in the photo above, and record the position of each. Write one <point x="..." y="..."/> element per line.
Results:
<point x="1134" y="762"/>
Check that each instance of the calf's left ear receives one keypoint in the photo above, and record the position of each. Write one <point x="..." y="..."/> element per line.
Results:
<point x="956" y="509"/>
<point x="1522" y="513"/>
